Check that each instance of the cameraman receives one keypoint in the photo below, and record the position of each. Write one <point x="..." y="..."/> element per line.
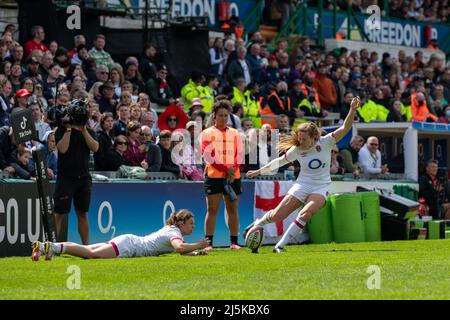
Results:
<point x="434" y="190"/>
<point x="74" y="142"/>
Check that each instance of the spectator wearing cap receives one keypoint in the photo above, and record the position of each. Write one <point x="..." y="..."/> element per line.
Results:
<point x="98" y="52"/>
<point x="196" y="105"/>
<point x="159" y="90"/>
<point x="194" y="88"/>
<point x="355" y="85"/>
<point x="419" y="109"/>
<point x="32" y="70"/>
<point x="41" y="126"/>
<point x="239" y="68"/>
<point x="22" y="97"/>
<point x="37" y="41"/>
<point x="78" y="40"/>
<point x="107" y="103"/>
<point x="271" y="73"/>
<point x="152" y="162"/>
<point x="325" y="88"/>
<point x="148" y="62"/>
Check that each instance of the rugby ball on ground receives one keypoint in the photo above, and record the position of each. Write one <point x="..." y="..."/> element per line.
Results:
<point x="254" y="238"/>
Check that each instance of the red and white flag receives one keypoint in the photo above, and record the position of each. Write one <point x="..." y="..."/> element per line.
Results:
<point x="268" y="194"/>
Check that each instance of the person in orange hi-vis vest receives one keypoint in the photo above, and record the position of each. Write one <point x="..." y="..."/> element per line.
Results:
<point x="419" y="109"/>
<point x="223" y="152"/>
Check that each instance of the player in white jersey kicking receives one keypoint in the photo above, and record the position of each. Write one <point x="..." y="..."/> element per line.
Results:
<point x="167" y="239"/>
<point x="313" y="183"/>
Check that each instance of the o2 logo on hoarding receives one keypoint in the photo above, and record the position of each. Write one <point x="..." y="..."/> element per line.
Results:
<point x="168" y="205"/>
<point x="109" y="226"/>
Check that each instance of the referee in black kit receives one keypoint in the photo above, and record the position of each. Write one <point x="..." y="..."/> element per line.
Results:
<point x="74" y="142"/>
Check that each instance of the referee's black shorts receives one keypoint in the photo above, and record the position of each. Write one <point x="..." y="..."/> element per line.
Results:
<point x="76" y="188"/>
<point x="217" y="185"/>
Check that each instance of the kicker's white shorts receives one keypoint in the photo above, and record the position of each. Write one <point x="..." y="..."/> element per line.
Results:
<point x="302" y="191"/>
<point x="126" y="246"/>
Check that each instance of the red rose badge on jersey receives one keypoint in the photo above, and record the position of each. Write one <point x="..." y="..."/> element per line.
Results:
<point x="318" y="148"/>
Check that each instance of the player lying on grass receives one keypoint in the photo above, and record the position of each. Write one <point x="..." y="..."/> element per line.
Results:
<point x="168" y="239"/>
<point x="313" y="183"/>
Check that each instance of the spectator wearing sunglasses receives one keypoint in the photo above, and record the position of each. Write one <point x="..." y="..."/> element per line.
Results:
<point x="115" y="156"/>
<point x="172" y="118"/>
<point x="370" y="158"/>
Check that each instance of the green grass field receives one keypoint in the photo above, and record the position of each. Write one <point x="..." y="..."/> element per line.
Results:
<point x="409" y="270"/>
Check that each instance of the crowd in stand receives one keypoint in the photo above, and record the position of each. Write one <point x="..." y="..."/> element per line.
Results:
<point x="136" y="112"/>
<point x="418" y="10"/>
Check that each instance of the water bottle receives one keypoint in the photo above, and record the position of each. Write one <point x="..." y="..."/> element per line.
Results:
<point x="91" y="161"/>
<point x="229" y="190"/>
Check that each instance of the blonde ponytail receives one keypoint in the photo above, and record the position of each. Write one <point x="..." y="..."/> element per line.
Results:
<point x="309" y="129"/>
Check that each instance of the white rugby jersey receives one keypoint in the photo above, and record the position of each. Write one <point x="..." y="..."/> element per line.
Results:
<point x="315" y="162"/>
<point x="158" y="242"/>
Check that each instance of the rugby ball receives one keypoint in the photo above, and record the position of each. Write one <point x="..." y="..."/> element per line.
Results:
<point x="254" y="238"/>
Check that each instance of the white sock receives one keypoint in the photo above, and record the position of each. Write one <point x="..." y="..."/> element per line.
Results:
<point x="58" y="248"/>
<point x="295" y="228"/>
<point x="265" y="219"/>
